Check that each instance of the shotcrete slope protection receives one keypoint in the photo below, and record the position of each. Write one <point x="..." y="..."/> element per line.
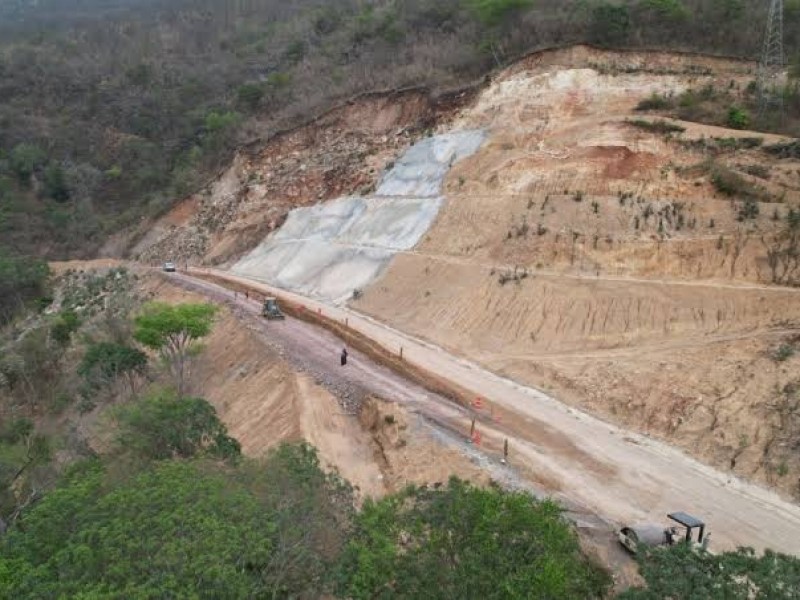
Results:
<point x="329" y="250"/>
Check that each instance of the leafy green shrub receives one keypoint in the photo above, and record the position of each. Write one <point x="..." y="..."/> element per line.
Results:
<point x="793" y="219"/>
<point x="784" y="149"/>
<point x="25" y="159"/>
<point x="218" y="121"/>
<point x="730" y="183"/>
<point x="163" y="426"/>
<point x="493" y="12"/>
<point x="15" y="430"/>
<point x="737" y="143"/>
<point x="655" y="102"/>
<point x="106" y="361"/>
<point x="610" y="24"/>
<point x="460" y="541"/>
<point x="295" y="51"/>
<point x="115" y="172"/>
<point x="657" y="126"/>
<point x="250" y="95"/>
<point x="680" y="572"/>
<point x="738" y="118"/>
<point x="784" y="352"/>
<point x="673" y="10"/>
<point x="748" y="211"/>
<point x="65" y="324"/>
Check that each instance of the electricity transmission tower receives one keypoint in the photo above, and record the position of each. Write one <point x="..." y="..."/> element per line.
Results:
<point x="773" y="61"/>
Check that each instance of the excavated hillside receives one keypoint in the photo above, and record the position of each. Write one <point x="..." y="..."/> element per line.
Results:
<point x="341" y="152"/>
<point x="632" y="268"/>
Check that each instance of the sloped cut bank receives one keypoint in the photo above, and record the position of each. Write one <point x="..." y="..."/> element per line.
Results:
<point x="329" y="250"/>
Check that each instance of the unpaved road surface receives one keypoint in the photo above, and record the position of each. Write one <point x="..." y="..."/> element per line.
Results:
<point x="594" y="466"/>
<point x="316" y="352"/>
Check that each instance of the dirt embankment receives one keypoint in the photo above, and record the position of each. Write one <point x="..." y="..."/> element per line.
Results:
<point x="613" y="222"/>
<point x="600" y="260"/>
<point x="264" y="400"/>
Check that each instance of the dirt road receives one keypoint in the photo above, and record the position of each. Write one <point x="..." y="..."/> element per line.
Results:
<point x="618" y="475"/>
<point x="316" y="352"/>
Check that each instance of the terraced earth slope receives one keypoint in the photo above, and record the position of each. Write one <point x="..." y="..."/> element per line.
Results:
<point x="629" y="264"/>
<point x="583" y="254"/>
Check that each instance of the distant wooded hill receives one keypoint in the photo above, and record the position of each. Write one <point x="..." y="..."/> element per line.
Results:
<point x="111" y="110"/>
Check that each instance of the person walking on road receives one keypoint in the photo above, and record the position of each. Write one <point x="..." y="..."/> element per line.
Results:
<point x="344" y="356"/>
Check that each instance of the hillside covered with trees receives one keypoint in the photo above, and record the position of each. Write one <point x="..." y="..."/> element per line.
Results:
<point x="111" y="110"/>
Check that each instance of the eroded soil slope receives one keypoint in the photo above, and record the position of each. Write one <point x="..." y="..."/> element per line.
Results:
<point x="584" y="254"/>
<point x="264" y="400"/>
<point x="630" y="268"/>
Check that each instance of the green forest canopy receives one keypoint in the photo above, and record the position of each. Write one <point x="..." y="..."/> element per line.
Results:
<point x="284" y="529"/>
<point x="117" y="118"/>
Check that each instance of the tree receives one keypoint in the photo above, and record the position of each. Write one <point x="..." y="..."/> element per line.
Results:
<point x="610" y="24"/>
<point x="172" y="330"/>
<point x="55" y="183"/>
<point x="22" y="279"/>
<point x="181" y="529"/>
<point x="673" y="10"/>
<point x="104" y="362"/>
<point x="493" y="12"/>
<point x="24" y="456"/>
<point x="163" y="426"/>
<point x="794" y="67"/>
<point x="681" y="572"/>
<point x="461" y="541"/>
<point x="25" y="159"/>
<point x="62" y="328"/>
<point x="738" y="118"/>
<point x="250" y="94"/>
<point x="729" y="10"/>
<point x="172" y="531"/>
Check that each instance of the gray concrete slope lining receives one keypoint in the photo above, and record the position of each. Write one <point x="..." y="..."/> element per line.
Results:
<point x="396" y="223"/>
<point x="330" y="249"/>
<point x="321" y="221"/>
<point x="318" y="268"/>
<point x="423" y="167"/>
